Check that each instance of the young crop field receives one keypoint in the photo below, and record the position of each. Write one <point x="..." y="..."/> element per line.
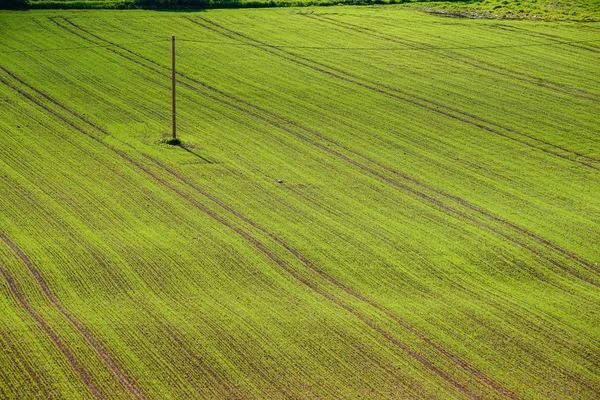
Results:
<point x="369" y="202"/>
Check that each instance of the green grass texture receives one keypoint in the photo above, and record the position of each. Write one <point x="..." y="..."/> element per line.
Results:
<point x="575" y="10"/>
<point x="366" y="202"/>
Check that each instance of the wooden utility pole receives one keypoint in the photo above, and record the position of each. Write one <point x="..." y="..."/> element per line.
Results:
<point x="173" y="83"/>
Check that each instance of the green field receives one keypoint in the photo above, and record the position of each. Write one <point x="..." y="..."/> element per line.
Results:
<point x="435" y="235"/>
<point x="575" y="10"/>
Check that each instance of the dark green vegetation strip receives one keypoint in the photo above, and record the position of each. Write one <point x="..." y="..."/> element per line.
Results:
<point x="576" y="10"/>
<point x="433" y="235"/>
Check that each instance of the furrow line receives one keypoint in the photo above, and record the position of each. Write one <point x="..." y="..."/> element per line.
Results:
<point x="397" y="94"/>
<point x="405" y="177"/>
<point x="341" y="286"/>
<point x="485" y="66"/>
<point x="266" y="47"/>
<point x="259" y="246"/>
<point x="101" y="39"/>
<point x="14" y="351"/>
<point x="299" y="256"/>
<point x="14" y="287"/>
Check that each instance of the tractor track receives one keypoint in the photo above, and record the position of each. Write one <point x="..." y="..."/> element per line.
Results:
<point x="398" y="94"/>
<point x="499" y="303"/>
<point x="466" y="60"/>
<point x="258" y="115"/>
<point x="259" y="246"/>
<point x="14" y="287"/>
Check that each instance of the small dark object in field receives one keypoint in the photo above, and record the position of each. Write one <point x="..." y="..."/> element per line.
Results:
<point x="171" y="141"/>
<point x="279" y="180"/>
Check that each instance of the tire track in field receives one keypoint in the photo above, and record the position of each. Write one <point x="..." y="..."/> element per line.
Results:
<point x="300" y="257"/>
<point x="204" y="85"/>
<point x="259" y="246"/>
<point x="16" y="290"/>
<point x="457" y="199"/>
<point x="403" y="96"/>
<point x="466" y="60"/>
<point x="89" y="338"/>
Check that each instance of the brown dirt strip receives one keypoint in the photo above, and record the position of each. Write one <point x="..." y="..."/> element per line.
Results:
<point x="485" y="66"/>
<point x="318" y="145"/>
<point x="258" y="245"/>
<point x="15" y="289"/>
<point x="395" y="93"/>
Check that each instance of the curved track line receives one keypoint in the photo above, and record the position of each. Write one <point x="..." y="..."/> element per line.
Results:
<point x="413" y="180"/>
<point x="396" y="93"/>
<point x="485" y="66"/>
<point x="535" y="34"/>
<point x="341" y="286"/>
<point x="258" y="245"/>
<point x="14" y="287"/>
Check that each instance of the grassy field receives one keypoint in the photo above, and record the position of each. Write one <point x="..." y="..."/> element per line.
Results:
<point x="575" y="10"/>
<point x="435" y="234"/>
